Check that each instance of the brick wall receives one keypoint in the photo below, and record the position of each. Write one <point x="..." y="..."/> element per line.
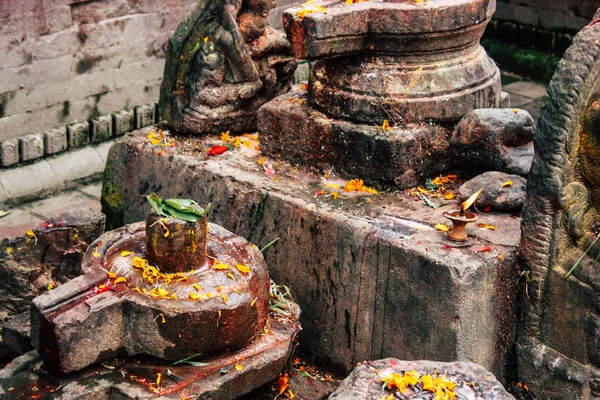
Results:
<point x="72" y="60"/>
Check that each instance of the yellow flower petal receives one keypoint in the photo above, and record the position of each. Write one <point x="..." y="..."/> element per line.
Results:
<point x="221" y="266"/>
<point x="125" y="253"/>
<point x="442" y="227"/>
<point x="120" y="280"/>
<point x="242" y="268"/>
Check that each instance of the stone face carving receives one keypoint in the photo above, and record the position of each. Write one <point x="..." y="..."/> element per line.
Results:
<point x="223" y="62"/>
<point x="559" y="347"/>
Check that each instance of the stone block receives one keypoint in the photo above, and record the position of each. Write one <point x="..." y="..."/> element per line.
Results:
<point x="290" y="129"/>
<point x="144" y="115"/>
<point x="55" y="140"/>
<point x="31" y="147"/>
<point x="78" y="134"/>
<point x="373" y="278"/>
<point x="545" y="39"/>
<point x="508" y="197"/>
<point x="53" y="256"/>
<point x="123" y="122"/>
<point x="101" y="128"/>
<point x="505" y="100"/>
<point x="495" y="139"/>
<point x="9" y="152"/>
<point x="471" y="380"/>
<point x="16" y="333"/>
<point x="28" y="181"/>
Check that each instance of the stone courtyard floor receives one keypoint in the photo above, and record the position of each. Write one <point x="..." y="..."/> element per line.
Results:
<point x="524" y="94"/>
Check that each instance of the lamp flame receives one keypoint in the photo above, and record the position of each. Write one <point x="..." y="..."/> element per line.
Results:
<point x="469" y="202"/>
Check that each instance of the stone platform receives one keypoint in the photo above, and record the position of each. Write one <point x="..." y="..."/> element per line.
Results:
<point x="224" y="377"/>
<point x="372" y="276"/>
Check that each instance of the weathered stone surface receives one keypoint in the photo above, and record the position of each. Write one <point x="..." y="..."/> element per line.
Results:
<point x="262" y="362"/>
<point x="374" y="279"/>
<point x="225" y="314"/>
<point x="101" y="128"/>
<point x="55" y="141"/>
<point x="508" y="197"/>
<point x="78" y="134"/>
<point x="123" y="122"/>
<point x="55" y="252"/>
<point x="558" y="346"/>
<point x="16" y="334"/>
<point x="370" y="68"/>
<point x="31" y="147"/>
<point x="403" y="156"/>
<point x="223" y="62"/>
<point x="144" y="115"/>
<point x="472" y="381"/>
<point x="496" y="140"/>
<point x="9" y="152"/>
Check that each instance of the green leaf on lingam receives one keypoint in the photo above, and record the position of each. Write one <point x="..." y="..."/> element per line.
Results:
<point x="185" y="209"/>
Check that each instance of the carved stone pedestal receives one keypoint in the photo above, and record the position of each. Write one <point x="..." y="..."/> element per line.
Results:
<point x="419" y="67"/>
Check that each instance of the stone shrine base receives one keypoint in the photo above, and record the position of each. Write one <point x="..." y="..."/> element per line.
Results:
<point x="371" y="275"/>
<point x="293" y="130"/>
<point x="261" y="362"/>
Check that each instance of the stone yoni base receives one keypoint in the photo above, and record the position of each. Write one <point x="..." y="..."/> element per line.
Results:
<point x="260" y="362"/>
<point x="372" y="276"/>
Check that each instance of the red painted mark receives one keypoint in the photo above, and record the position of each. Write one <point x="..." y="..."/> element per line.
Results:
<point x="594" y="22"/>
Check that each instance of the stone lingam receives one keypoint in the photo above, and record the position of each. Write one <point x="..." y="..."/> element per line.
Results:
<point x="389" y="80"/>
<point x="154" y="293"/>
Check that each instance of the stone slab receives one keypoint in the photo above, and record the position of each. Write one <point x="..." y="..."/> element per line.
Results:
<point x="51" y="175"/>
<point x="53" y="206"/>
<point x="16" y="334"/>
<point x="293" y="131"/>
<point x="94" y="190"/>
<point x="531" y="90"/>
<point x="471" y="381"/>
<point x="374" y="279"/>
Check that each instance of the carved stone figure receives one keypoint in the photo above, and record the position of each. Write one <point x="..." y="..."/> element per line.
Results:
<point x="559" y="347"/>
<point x="223" y="62"/>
